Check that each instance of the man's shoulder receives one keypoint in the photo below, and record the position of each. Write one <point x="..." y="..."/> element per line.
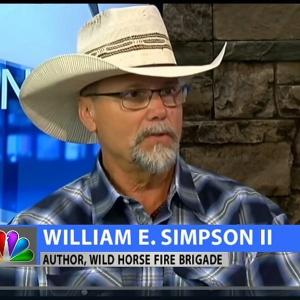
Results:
<point x="69" y="204"/>
<point x="209" y="180"/>
<point x="229" y="200"/>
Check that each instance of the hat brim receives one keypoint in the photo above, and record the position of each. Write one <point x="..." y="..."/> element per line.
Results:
<point x="50" y="93"/>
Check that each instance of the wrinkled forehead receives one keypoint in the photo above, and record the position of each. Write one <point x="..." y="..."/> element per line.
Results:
<point x="129" y="81"/>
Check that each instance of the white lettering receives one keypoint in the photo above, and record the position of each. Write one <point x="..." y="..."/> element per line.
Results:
<point x="72" y="238"/>
<point x="246" y="236"/>
<point x="66" y="237"/>
<point x="106" y="238"/>
<point x="144" y="237"/>
<point x="52" y="236"/>
<point x="165" y="235"/>
<point x="188" y="238"/>
<point x="203" y="235"/>
<point x="7" y="77"/>
<point x="215" y="234"/>
<point x="233" y="240"/>
<point x="269" y="237"/>
<point x="123" y="239"/>
<point x="84" y="241"/>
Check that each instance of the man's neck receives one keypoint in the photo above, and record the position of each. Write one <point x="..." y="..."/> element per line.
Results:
<point x="151" y="190"/>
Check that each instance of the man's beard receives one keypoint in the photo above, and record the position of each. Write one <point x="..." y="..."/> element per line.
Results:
<point x="160" y="158"/>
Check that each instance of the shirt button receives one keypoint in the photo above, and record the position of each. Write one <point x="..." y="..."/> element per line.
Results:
<point x="142" y="219"/>
<point x="126" y="201"/>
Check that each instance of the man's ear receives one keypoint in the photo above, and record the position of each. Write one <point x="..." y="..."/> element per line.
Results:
<point x="86" y="111"/>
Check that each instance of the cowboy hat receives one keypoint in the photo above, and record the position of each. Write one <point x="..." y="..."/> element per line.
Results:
<point x="114" y="42"/>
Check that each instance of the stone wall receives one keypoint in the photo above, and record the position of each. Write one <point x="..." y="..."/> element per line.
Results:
<point x="242" y="119"/>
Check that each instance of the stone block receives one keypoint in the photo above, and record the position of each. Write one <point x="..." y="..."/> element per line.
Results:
<point x="296" y="149"/>
<point x="256" y="21"/>
<point x="295" y="179"/>
<point x="288" y="101"/>
<point x="244" y="90"/>
<point x="188" y="21"/>
<point x="265" y="167"/>
<point x="262" y="51"/>
<point x="239" y="131"/>
<point x="288" y="73"/>
<point x="193" y="53"/>
<point x="199" y="102"/>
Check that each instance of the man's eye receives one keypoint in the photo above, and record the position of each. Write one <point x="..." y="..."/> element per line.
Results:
<point x="133" y="94"/>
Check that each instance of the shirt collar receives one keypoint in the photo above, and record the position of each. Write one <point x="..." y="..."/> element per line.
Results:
<point x="186" y="189"/>
<point x="104" y="195"/>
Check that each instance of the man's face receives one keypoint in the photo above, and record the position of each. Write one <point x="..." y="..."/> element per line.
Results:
<point x="149" y="137"/>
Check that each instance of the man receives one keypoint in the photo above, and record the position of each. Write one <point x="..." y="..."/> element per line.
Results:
<point x="124" y="90"/>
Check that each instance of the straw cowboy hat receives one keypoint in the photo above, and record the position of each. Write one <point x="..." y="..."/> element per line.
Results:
<point x="114" y="42"/>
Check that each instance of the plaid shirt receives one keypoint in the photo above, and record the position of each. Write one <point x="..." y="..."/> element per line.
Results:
<point x="195" y="197"/>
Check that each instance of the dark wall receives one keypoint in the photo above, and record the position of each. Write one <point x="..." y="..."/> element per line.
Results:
<point x="242" y="119"/>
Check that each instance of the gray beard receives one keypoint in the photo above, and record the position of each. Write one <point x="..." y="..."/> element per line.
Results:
<point x="161" y="158"/>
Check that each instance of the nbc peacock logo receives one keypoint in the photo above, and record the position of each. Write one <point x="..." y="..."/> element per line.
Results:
<point x="14" y="249"/>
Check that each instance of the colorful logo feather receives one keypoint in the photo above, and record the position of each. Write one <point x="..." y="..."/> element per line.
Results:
<point x="13" y="248"/>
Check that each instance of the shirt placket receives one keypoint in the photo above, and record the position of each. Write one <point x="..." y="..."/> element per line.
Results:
<point x="146" y="276"/>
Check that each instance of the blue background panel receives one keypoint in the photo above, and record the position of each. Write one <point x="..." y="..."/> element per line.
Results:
<point x="32" y="164"/>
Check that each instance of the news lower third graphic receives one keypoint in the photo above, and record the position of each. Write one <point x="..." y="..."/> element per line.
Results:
<point x="138" y="246"/>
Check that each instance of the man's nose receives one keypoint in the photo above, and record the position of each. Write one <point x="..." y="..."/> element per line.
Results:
<point x="156" y="107"/>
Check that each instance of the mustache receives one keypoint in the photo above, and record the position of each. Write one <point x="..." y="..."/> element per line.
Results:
<point x="160" y="128"/>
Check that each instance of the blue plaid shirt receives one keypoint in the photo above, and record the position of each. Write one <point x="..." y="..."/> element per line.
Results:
<point x="195" y="197"/>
